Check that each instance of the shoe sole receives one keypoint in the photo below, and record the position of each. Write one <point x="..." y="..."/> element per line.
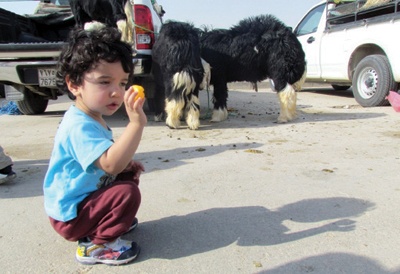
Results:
<point x="92" y="261"/>
<point x="8" y="179"/>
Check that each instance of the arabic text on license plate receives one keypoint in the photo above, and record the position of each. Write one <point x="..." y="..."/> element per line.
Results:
<point x="47" y="77"/>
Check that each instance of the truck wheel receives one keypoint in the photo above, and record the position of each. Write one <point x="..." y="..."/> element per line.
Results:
<point x="32" y="103"/>
<point x="372" y="81"/>
<point x="340" y="87"/>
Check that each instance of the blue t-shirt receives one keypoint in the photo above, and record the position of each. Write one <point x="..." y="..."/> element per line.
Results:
<point x="72" y="174"/>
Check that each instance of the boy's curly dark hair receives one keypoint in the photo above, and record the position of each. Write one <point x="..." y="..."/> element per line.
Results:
<point x="85" y="49"/>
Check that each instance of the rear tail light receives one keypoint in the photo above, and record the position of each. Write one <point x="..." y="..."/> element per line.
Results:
<point x="144" y="27"/>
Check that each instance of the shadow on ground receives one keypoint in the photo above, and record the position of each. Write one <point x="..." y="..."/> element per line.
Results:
<point x="204" y="231"/>
<point x="333" y="263"/>
<point x="259" y="110"/>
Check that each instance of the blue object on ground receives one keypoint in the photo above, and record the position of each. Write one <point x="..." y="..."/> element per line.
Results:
<point x="10" y="108"/>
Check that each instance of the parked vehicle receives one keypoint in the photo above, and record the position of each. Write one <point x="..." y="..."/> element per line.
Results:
<point x="353" y="43"/>
<point x="30" y="44"/>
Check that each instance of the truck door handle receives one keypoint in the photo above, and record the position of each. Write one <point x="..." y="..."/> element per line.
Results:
<point x="311" y="39"/>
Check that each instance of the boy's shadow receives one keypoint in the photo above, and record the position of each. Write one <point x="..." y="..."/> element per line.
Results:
<point x="180" y="236"/>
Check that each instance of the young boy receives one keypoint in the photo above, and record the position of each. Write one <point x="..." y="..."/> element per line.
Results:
<point x="91" y="189"/>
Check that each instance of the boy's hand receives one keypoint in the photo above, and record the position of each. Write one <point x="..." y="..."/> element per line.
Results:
<point x="134" y="107"/>
<point x="131" y="172"/>
<point x="134" y="166"/>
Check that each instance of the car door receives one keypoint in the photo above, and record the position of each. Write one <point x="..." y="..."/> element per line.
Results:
<point x="309" y="32"/>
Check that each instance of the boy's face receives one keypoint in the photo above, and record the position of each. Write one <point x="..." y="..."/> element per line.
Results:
<point x="102" y="90"/>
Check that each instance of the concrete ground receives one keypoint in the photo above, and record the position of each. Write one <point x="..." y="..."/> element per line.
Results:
<point x="317" y="195"/>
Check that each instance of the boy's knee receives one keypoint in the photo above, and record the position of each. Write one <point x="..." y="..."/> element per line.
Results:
<point x="127" y="189"/>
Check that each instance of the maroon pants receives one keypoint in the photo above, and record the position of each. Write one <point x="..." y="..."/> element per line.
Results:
<point x="104" y="215"/>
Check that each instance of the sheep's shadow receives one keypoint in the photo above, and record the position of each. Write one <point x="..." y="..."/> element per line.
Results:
<point x="172" y="158"/>
<point x="261" y="109"/>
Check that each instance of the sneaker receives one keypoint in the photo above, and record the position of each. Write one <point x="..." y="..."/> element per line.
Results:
<point x="133" y="225"/>
<point x="7" y="177"/>
<point x="6" y="170"/>
<point x="113" y="253"/>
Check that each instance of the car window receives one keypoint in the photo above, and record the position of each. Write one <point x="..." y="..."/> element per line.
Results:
<point x="311" y="21"/>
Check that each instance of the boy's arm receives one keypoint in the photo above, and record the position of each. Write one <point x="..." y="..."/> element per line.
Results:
<point x="118" y="156"/>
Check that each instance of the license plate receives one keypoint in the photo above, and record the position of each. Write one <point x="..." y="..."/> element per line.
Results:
<point x="47" y="77"/>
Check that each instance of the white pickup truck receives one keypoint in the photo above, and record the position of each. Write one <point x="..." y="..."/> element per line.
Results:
<point x="353" y="43"/>
<point x="30" y="45"/>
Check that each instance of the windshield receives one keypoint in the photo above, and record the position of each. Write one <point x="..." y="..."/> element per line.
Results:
<point x="311" y="21"/>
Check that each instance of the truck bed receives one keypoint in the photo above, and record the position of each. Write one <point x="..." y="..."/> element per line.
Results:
<point x="41" y="34"/>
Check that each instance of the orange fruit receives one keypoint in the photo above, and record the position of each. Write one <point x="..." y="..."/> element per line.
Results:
<point x="140" y="91"/>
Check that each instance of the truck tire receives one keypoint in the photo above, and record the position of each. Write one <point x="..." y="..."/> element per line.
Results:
<point x="32" y="103"/>
<point x="372" y="81"/>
